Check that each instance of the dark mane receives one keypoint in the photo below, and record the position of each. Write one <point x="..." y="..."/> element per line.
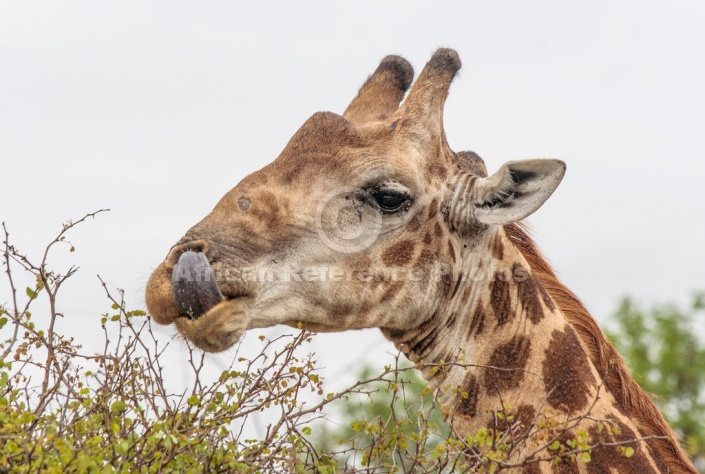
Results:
<point x="634" y="401"/>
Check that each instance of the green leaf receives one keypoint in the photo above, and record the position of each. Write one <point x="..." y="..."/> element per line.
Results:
<point x="306" y="430"/>
<point x="117" y="406"/>
<point x="193" y="400"/>
<point x="31" y="293"/>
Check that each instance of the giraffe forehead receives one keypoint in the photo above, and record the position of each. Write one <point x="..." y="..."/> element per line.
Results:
<point x="330" y="151"/>
<point x="316" y="175"/>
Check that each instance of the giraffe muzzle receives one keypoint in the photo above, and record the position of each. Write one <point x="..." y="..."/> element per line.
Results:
<point x="193" y="285"/>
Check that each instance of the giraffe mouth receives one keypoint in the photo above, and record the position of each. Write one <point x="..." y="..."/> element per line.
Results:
<point x="193" y="285"/>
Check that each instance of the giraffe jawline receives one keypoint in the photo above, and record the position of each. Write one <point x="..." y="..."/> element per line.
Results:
<point x="312" y="327"/>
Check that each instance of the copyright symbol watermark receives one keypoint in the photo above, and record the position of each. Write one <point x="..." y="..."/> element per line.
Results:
<point x="346" y="222"/>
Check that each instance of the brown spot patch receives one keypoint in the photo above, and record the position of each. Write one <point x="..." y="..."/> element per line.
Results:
<point x="470" y="389"/>
<point x="426" y="258"/>
<point x="500" y="299"/>
<point x="532" y="468"/>
<point x="445" y="283"/>
<point x="438" y="229"/>
<point x="497" y="247"/>
<point x="399" y="254"/>
<point x="427" y="239"/>
<point x="391" y="291"/>
<point x="528" y="291"/>
<point x="566" y="465"/>
<point x="437" y="168"/>
<point x="566" y="372"/>
<point x="433" y="209"/>
<point x="509" y="359"/>
<point x="524" y="415"/>
<point x="611" y="457"/>
<point x="519" y="420"/>
<point x="478" y="321"/>
<point x="414" y="224"/>
<point x="658" y="460"/>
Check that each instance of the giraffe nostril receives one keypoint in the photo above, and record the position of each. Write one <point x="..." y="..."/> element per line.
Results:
<point x="193" y="285"/>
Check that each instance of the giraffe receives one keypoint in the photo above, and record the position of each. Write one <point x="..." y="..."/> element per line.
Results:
<point x="368" y="220"/>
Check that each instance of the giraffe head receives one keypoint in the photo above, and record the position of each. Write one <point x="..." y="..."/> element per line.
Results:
<point x="356" y="224"/>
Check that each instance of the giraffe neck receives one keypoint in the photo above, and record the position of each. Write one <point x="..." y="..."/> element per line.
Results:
<point x="489" y="341"/>
<point x="501" y="349"/>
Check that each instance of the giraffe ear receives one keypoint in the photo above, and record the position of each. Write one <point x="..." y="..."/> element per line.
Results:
<point x="515" y="191"/>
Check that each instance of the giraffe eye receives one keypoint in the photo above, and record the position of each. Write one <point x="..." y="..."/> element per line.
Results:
<point x="389" y="201"/>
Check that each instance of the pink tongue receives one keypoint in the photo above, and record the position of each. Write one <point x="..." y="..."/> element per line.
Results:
<point x="193" y="285"/>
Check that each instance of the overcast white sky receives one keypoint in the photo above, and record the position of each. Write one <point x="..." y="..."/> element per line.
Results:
<point x="156" y="109"/>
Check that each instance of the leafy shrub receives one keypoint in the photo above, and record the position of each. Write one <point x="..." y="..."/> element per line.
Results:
<point x="667" y="358"/>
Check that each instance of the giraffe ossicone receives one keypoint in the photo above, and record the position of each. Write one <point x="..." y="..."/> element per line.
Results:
<point x="369" y="219"/>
